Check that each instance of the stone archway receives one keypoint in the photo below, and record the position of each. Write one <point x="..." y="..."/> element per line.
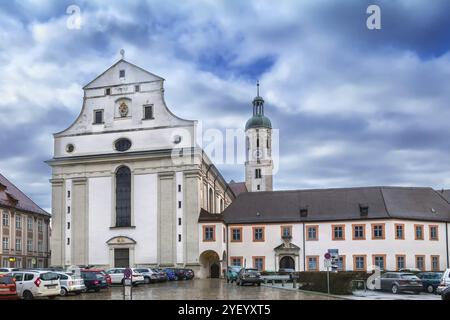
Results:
<point x="210" y="264"/>
<point x="287" y="262"/>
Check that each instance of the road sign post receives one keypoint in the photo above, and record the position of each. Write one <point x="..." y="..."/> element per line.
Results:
<point x="327" y="263"/>
<point x="128" y="284"/>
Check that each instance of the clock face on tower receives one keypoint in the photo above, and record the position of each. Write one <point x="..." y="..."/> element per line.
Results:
<point x="123" y="109"/>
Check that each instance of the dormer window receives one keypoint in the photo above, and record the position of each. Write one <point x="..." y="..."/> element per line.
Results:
<point x="122" y="74"/>
<point x="98" y="116"/>
<point x="363" y="209"/>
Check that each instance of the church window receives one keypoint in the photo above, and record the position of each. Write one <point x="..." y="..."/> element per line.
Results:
<point x="70" y="148"/>
<point x="257" y="173"/>
<point x="108" y="91"/>
<point x="179" y="204"/>
<point x="179" y="238"/>
<point x="148" y="112"/>
<point x="122" y="144"/>
<point x="211" y="201"/>
<point x="179" y="221"/>
<point x="257" y="143"/>
<point x="98" y="116"/>
<point x="137" y="88"/>
<point x="179" y="188"/>
<point x="258" y="187"/>
<point x="122" y="74"/>
<point x="123" y="197"/>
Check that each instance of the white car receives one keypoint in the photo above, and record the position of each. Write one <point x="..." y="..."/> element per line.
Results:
<point x="35" y="284"/>
<point x="445" y="282"/>
<point x="8" y="270"/>
<point x="117" y="276"/>
<point x="70" y="283"/>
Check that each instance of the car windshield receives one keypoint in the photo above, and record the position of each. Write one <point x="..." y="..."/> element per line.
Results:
<point x="235" y="269"/>
<point x="49" y="276"/>
<point x="141" y="270"/>
<point x="6" y="280"/>
<point x="409" y="276"/>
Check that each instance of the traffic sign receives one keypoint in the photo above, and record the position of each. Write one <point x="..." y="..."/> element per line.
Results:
<point x="327" y="256"/>
<point x="127" y="273"/>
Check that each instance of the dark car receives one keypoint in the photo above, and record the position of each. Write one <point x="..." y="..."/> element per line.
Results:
<point x="94" y="281"/>
<point x="249" y="275"/>
<point x="400" y="281"/>
<point x="188" y="274"/>
<point x="102" y="273"/>
<point x="445" y="294"/>
<point x="430" y="280"/>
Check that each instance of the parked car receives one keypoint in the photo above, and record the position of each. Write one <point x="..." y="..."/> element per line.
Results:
<point x="232" y="273"/>
<point x="103" y="273"/>
<point x="7" y="288"/>
<point x="35" y="284"/>
<point x="445" y="282"/>
<point x="430" y="280"/>
<point x="162" y="275"/>
<point x="118" y="277"/>
<point x="93" y="281"/>
<point x="150" y="275"/>
<point x="410" y="270"/>
<point x="286" y="271"/>
<point x="70" y="283"/>
<point x="171" y="274"/>
<point x="7" y="270"/>
<point x="249" y="275"/>
<point x="184" y="274"/>
<point x="445" y="294"/>
<point x="397" y="282"/>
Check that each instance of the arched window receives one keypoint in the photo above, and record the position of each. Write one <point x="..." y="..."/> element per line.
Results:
<point x="211" y="201"/>
<point x="221" y="205"/>
<point x="123" y="197"/>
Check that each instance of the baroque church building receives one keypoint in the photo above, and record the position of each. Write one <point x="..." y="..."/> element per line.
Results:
<point x="131" y="187"/>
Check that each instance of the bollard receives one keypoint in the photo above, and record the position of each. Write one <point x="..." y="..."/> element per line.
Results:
<point x="273" y="282"/>
<point x="283" y="282"/>
<point x="294" y="284"/>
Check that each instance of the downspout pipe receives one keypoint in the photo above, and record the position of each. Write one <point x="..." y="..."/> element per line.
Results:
<point x="446" y="244"/>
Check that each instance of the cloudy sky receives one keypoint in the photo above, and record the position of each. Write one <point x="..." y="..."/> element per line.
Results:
<point x="355" y="107"/>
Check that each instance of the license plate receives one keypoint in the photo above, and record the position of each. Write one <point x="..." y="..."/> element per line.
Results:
<point x="413" y="282"/>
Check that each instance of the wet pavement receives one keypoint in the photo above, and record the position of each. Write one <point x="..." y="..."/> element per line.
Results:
<point x="201" y="289"/>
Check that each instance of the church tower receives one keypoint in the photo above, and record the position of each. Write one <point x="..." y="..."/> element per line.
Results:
<point x="259" y="164"/>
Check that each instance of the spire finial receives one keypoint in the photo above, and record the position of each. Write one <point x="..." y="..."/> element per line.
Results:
<point x="257" y="88"/>
<point x="122" y="53"/>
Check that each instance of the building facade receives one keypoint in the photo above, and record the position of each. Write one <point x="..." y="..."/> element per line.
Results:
<point x="129" y="180"/>
<point x="389" y="227"/>
<point x="24" y="230"/>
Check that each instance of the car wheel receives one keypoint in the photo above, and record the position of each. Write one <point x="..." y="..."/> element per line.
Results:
<point x="63" y="292"/>
<point x="430" y="289"/>
<point x="27" y="295"/>
<point x="147" y="280"/>
<point x="175" y="278"/>
<point x="394" y="289"/>
<point x="84" y="290"/>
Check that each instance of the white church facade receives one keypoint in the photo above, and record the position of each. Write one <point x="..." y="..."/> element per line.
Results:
<point x="131" y="187"/>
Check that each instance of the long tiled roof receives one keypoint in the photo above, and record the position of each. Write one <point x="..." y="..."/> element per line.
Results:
<point x="237" y="187"/>
<point x="339" y="204"/>
<point x="11" y="196"/>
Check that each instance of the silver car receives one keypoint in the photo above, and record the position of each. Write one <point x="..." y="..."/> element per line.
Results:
<point x="150" y="276"/>
<point x="70" y="283"/>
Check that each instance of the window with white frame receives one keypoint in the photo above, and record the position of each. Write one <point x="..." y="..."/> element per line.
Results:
<point x="30" y="223"/>
<point x="5" y="219"/>
<point x="29" y="245"/>
<point x="40" y="227"/>
<point x="18" y="222"/>
<point x="5" y="243"/>
<point x="5" y="263"/>
<point x="40" y="246"/>
<point x="18" y="244"/>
